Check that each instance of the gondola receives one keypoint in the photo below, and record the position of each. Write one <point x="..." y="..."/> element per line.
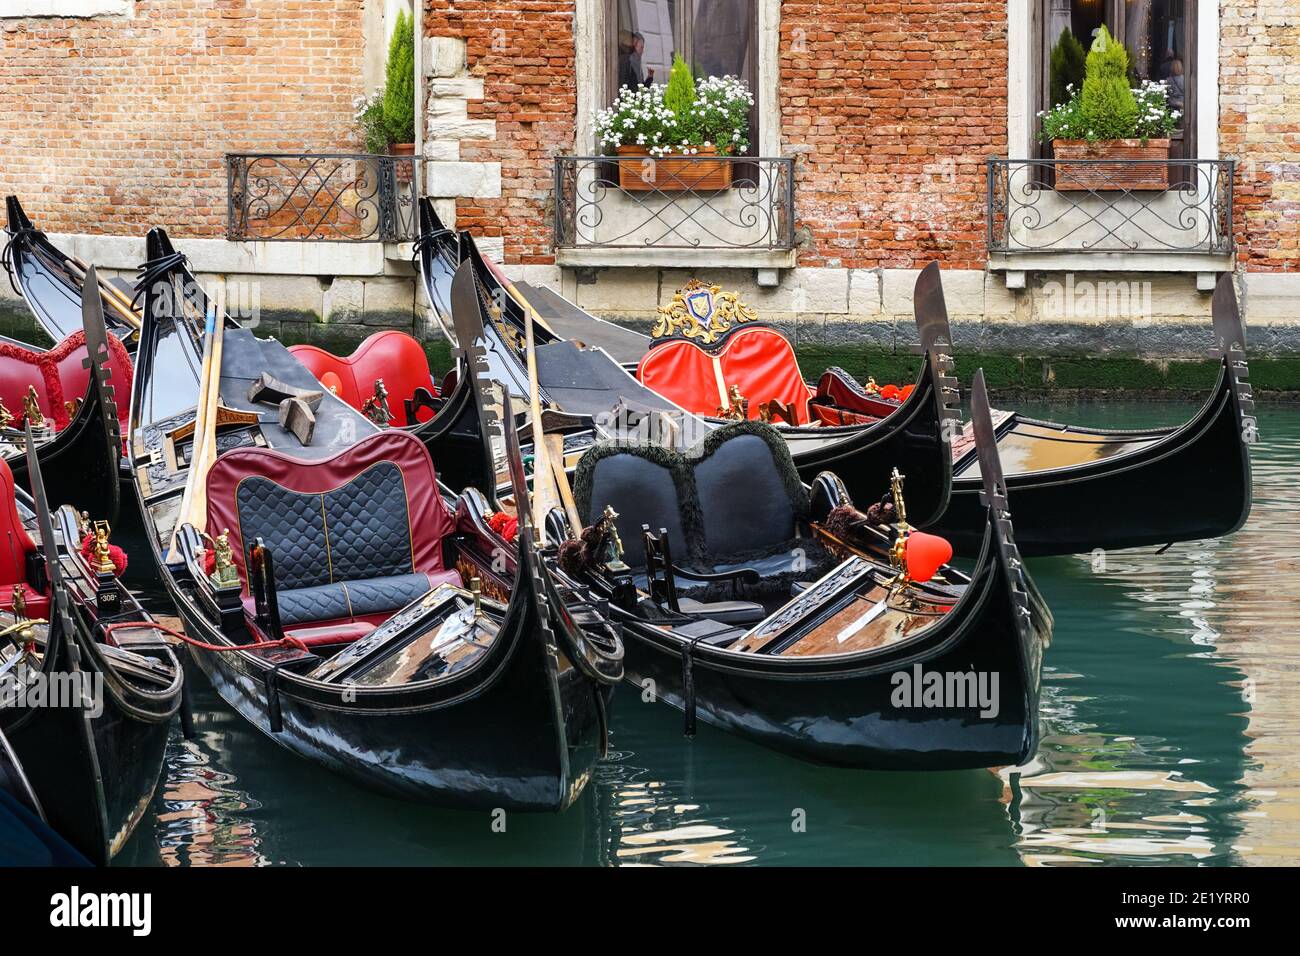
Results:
<point x="76" y="419"/>
<point x="784" y="615"/>
<point x="51" y="282"/>
<point x="1079" y="489"/>
<point x="89" y="683"/>
<point x="343" y="601"/>
<point x="25" y="837"/>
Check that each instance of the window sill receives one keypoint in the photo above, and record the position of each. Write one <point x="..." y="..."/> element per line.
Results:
<point x="652" y="258"/>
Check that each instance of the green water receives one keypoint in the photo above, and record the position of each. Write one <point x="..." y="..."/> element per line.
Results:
<point x="1171" y="735"/>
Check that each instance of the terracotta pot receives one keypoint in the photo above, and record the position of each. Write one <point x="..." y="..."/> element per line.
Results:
<point x="1111" y="175"/>
<point x="638" y="171"/>
<point x="403" y="170"/>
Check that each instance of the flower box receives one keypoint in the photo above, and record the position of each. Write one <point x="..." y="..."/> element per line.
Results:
<point x="638" y="171"/>
<point x="1116" y="173"/>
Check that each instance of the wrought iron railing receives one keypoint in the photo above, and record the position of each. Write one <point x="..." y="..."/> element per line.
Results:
<point x="695" y="202"/>
<point x="1102" y="205"/>
<point x="330" y="197"/>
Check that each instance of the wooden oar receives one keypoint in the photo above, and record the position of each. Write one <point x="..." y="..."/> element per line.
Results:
<point x="194" y="501"/>
<point x="515" y="294"/>
<point x="111" y="294"/>
<point x="545" y="496"/>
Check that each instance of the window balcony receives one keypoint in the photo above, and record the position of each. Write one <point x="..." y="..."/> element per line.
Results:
<point x="666" y="212"/>
<point x="1081" y="215"/>
<point x="321" y="197"/>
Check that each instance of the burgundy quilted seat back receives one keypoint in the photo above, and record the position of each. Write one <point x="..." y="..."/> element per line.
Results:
<point x="354" y="536"/>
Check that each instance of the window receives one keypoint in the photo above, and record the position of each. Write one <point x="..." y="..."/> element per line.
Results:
<point x="1161" y="42"/>
<point x="716" y="37"/>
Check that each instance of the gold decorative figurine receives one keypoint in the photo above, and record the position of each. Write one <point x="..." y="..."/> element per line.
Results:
<point x="738" y="406"/>
<point x="102" y="560"/>
<point x="899" y="554"/>
<point x="613" y="556"/>
<point x="19" y="602"/>
<point x="224" y="573"/>
<point x="6" y="416"/>
<point x="32" y="408"/>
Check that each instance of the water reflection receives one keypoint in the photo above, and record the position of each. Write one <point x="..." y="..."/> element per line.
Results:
<point x="649" y="823"/>
<point x="205" y="820"/>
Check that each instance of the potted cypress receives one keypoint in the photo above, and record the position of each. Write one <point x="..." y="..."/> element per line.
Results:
<point x="399" y="88"/>
<point x="1109" y="120"/>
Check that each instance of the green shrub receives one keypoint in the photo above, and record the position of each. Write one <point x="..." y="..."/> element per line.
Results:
<point x="399" y="90"/>
<point x="1067" y="67"/>
<point x="679" y="96"/>
<point x="1107" y="106"/>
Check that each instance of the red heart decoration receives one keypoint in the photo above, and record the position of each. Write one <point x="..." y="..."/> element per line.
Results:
<point x="926" y="554"/>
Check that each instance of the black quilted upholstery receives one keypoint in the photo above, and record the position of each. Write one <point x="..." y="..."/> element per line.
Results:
<point x="292" y="525"/>
<point x="370" y="534"/>
<point x="342" y="554"/>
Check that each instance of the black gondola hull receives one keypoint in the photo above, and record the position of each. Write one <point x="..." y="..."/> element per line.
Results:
<point x="497" y="743"/>
<point x="94" y="773"/>
<point x="1193" y="484"/>
<point x="853" y="713"/>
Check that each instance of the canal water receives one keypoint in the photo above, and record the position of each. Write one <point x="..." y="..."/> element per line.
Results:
<point x="1171" y="736"/>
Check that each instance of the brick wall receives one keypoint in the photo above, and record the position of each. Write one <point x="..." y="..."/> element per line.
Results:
<point x="900" y="102"/>
<point x="114" y="124"/>
<point x="523" y="52"/>
<point x="1259" y="125"/>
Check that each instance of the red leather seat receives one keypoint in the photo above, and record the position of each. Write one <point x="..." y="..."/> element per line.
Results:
<point x="15" y="545"/>
<point x="59" y="376"/>
<point x="353" y="538"/>
<point x="394" y="356"/>
<point x="756" y="358"/>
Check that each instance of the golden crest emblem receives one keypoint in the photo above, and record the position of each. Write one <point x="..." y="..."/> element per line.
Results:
<point x="701" y="312"/>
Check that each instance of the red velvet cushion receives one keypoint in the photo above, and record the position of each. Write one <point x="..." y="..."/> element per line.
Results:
<point x="394" y="356"/>
<point x="15" y="542"/>
<point x="430" y="520"/>
<point x="683" y="373"/>
<point x="60" y="376"/>
<point x="757" y="359"/>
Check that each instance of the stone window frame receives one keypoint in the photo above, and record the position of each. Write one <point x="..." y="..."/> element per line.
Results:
<point x="80" y="9"/>
<point x="1023" y="17"/>
<point x="591" y="73"/>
